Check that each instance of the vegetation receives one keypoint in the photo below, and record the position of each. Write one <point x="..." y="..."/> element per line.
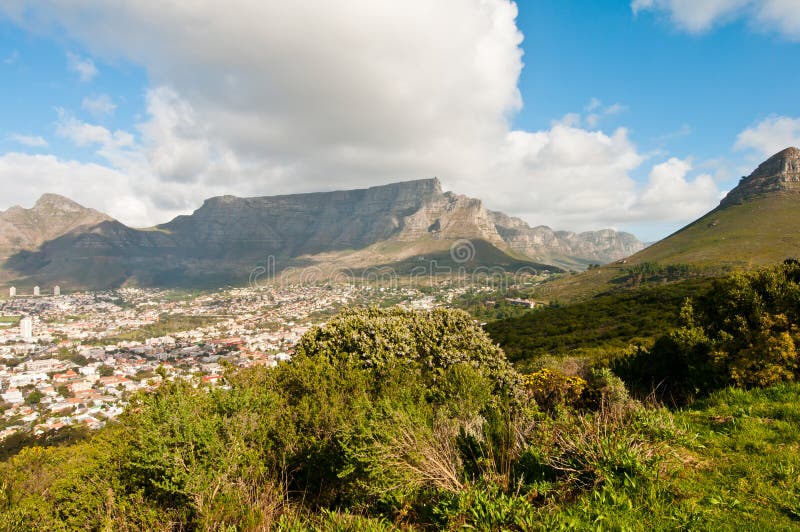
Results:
<point x="490" y="306"/>
<point x="391" y="419"/>
<point x="167" y="324"/>
<point x="604" y="324"/>
<point x="742" y="332"/>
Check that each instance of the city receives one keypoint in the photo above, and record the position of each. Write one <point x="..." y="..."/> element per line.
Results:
<point x="75" y="359"/>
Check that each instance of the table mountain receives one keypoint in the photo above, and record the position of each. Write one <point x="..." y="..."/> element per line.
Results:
<point x="224" y="238"/>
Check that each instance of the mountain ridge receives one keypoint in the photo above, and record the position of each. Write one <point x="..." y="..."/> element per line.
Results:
<point x="376" y="225"/>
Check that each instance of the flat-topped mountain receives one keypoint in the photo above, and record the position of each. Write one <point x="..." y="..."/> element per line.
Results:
<point x="224" y="238"/>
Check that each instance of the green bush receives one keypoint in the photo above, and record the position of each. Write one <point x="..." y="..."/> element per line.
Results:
<point x="428" y="342"/>
<point x="742" y="332"/>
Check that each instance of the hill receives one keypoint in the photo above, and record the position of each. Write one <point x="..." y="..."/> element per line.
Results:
<point x="754" y="225"/>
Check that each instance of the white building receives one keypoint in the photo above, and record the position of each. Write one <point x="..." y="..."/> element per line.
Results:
<point x="12" y="292"/>
<point x="56" y="290"/>
<point x="36" y="291"/>
<point x="13" y="396"/>
<point x="26" y="328"/>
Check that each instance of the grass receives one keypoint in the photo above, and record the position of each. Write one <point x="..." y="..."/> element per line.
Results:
<point x="747" y="235"/>
<point x="10" y="320"/>
<point x="755" y="233"/>
<point x="738" y="468"/>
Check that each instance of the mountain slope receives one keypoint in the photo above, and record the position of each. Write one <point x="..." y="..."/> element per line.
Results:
<point x="755" y="224"/>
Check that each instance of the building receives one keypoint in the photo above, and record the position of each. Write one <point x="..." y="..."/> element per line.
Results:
<point x="12" y="292"/>
<point x="56" y="290"/>
<point x="36" y="291"/>
<point x="13" y="396"/>
<point x="26" y="328"/>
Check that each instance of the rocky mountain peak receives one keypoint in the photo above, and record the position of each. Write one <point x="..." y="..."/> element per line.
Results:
<point x="781" y="172"/>
<point x="56" y="203"/>
<point x="50" y="217"/>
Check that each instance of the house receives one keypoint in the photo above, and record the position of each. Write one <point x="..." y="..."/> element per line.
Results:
<point x="13" y="396"/>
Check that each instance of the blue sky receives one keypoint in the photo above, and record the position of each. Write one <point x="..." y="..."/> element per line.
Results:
<point x="713" y="84"/>
<point x="636" y="115"/>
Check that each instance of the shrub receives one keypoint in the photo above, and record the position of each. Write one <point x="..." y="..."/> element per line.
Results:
<point x="551" y="389"/>
<point x="429" y="342"/>
<point x="743" y="332"/>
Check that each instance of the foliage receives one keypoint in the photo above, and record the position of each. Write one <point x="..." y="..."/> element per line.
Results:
<point x="490" y="306"/>
<point x="605" y="323"/>
<point x="431" y="342"/>
<point x="34" y="397"/>
<point x="649" y="272"/>
<point x="391" y="419"/>
<point x="743" y="331"/>
<point x="551" y="389"/>
<point x="166" y="324"/>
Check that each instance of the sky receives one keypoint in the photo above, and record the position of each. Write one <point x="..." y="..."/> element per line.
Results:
<point x="577" y="114"/>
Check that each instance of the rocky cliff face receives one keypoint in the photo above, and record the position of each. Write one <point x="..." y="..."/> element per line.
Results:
<point x="779" y="173"/>
<point x="60" y="239"/>
<point x="543" y="244"/>
<point x="308" y="224"/>
<point x="302" y="224"/>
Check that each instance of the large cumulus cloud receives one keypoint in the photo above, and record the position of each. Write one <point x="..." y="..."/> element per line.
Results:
<point x="265" y="97"/>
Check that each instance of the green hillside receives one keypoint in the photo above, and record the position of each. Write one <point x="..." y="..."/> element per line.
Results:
<point x="745" y="235"/>
<point x="738" y="236"/>
<point x="606" y="322"/>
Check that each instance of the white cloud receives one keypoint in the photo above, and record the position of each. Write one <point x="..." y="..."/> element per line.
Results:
<point x="99" y="106"/>
<point x="31" y="141"/>
<point x="267" y="97"/>
<point x="84" y="134"/>
<point x="84" y="67"/>
<point x="783" y="15"/>
<point x="770" y="136"/>
<point x="696" y="16"/>
<point x="670" y="196"/>
<point x="90" y="184"/>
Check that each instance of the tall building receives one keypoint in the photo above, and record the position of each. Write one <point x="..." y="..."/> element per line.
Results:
<point x="26" y="328"/>
<point x="12" y="292"/>
<point x="56" y="290"/>
<point x="36" y="291"/>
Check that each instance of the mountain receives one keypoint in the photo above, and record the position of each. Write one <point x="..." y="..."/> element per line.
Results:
<point x="754" y="225"/>
<point x="227" y="236"/>
<point x="51" y="217"/>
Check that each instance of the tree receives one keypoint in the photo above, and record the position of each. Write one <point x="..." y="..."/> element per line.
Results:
<point x="34" y="397"/>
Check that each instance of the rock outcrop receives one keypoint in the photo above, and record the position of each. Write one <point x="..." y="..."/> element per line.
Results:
<point x="779" y="173"/>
